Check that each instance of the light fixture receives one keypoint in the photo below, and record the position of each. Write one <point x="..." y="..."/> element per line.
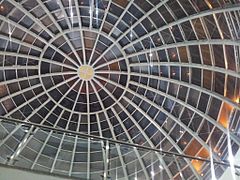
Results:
<point x="184" y="142"/>
<point x="107" y="147"/>
<point x="26" y="130"/>
<point x="237" y="100"/>
<point x="131" y="35"/>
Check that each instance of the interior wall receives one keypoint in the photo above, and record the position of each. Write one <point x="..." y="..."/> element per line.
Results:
<point x="228" y="174"/>
<point x="8" y="173"/>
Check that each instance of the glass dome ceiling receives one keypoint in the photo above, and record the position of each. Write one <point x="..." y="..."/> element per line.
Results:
<point x="162" y="74"/>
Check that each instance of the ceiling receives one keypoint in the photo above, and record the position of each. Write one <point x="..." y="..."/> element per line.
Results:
<point x="157" y="73"/>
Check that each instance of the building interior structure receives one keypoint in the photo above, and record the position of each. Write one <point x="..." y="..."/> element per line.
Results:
<point x="120" y="89"/>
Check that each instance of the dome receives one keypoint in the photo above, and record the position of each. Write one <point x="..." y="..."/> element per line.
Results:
<point x="161" y="74"/>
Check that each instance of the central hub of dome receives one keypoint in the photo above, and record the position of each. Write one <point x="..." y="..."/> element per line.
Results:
<point x="86" y="72"/>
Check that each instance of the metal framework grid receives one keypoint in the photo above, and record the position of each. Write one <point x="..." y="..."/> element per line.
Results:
<point x="162" y="74"/>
